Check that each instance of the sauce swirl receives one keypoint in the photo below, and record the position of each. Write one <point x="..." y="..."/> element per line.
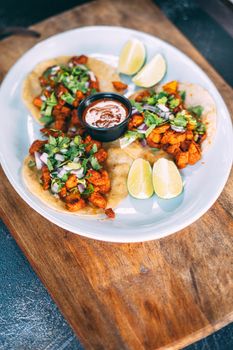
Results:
<point x="105" y="113"/>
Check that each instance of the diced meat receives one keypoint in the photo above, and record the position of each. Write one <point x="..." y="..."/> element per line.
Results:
<point x="45" y="177"/>
<point x="71" y="182"/>
<point x="101" y="155"/>
<point x="119" y="86"/>
<point x="79" y="59"/>
<point x="110" y="213"/>
<point x="135" y="121"/>
<point x="74" y="202"/>
<point x="98" y="200"/>
<point x="182" y="159"/>
<point x="194" y="153"/>
<point x="36" y="146"/>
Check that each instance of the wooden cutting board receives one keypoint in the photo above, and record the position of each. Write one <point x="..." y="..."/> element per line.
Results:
<point x="163" y="294"/>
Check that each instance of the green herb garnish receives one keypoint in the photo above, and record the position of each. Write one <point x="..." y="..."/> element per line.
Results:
<point x="31" y="163"/>
<point x="152" y="119"/>
<point x="94" y="163"/>
<point x="198" y="110"/>
<point x="137" y="105"/>
<point x="179" y="120"/>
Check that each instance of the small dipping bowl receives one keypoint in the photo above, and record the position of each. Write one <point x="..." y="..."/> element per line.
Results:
<point x="105" y="134"/>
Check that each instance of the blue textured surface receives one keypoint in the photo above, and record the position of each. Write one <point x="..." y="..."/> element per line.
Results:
<point x="29" y="319"/>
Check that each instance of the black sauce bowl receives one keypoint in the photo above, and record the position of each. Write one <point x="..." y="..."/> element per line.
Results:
<point x="105" y="134"/>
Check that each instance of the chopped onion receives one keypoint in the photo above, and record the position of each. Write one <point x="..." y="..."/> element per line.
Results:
<point x="54" y="70"/>
<point x="44" y="157"/>
<point x="159" y="109"/>
<point x="43" y="98"/>
<point x="73" y="129"/>
<point x="79" y="173"/>
<point x="59" y="157"/>
<point x="125" y="141"/>
<point x="92" y="76"/>
<point x="76" y="160"/>
<point x="81" y="188"/>
<point x="38" y="160"/>
<point x="143" y="126"/>
<point x="62" y="172"/>
<point x="134" y="111"/>
<point x="163" y="107"/>
<point x="87" y="85"/>
<point x="177" y="128"/>
<point x="54" y="187"/>
<point x="143" y="142"/>
<point x="64" y="150"/>
<point x="150" y="108"/>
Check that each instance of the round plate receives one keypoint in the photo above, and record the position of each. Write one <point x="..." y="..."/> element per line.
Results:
<point x="136" y="220"/>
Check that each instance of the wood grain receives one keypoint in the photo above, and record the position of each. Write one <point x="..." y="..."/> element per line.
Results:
<point x="163" y="294"/>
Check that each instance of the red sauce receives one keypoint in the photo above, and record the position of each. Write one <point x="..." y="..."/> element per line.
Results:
<point x="105" y="113"/>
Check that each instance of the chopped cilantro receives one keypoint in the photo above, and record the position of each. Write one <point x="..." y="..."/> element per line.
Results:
<point x="68" y="98"/>
<point x="49" y="165"/>
<point x="162" y="94"/>
<point x="148" y="131"/>
<point x="201" y="128"/>
<point x="52" y="140"/>
<point x="196" y="110"/>
<point x="183" y="95"/>
<point x="94" y="149"/>
<point x="84" y="165"/>
<point x="51" y="101"/>
<point x="137" y="105"/>
<point x="152" y="119"/>
<point x="174" y="103"/>
<point x="162" y="100"/>
<point x="151" y="100"/>
<point x="133" y="134"/>
<point x="31" y="163"/>
<point x="89" y="190"/>
<point x="179" y="120"/>
<point x="46" y="119"/>
<point x="77" y="140"/>
<point x="94" y="163"/>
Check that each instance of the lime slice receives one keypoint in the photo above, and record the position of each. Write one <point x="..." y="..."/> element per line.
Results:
<point x="167" y="181"/>
<point x="140" y="180"/>
<point x="132" y="57"/>
<point x="152" y="73"/>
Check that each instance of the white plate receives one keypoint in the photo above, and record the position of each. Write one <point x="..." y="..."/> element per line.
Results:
<point x="136" y="220"/>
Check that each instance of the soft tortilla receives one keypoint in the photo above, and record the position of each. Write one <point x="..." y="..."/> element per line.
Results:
<point x="117" y="164"/>
<point x="195" y="95"/>
<point x="31" y="87"/>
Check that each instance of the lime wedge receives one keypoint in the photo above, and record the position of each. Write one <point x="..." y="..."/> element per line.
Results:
<point x="167" y="181"/>
<point x="151" y="73"/>
<point x="139" y="180"/>
<point x="132" y="57"/>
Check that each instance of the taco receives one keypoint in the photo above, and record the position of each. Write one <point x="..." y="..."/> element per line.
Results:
<point x="54" y="89"/>
<point x="77" y="175"/>
<point x="178" y="119"/>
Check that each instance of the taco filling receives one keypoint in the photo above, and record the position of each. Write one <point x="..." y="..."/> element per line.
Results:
<point x="62" y="88"/>
<point x="162" y="121"/>
<point x="71" y="170"/>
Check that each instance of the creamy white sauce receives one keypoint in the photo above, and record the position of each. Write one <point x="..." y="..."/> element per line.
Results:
<point x="105" y="114"/>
